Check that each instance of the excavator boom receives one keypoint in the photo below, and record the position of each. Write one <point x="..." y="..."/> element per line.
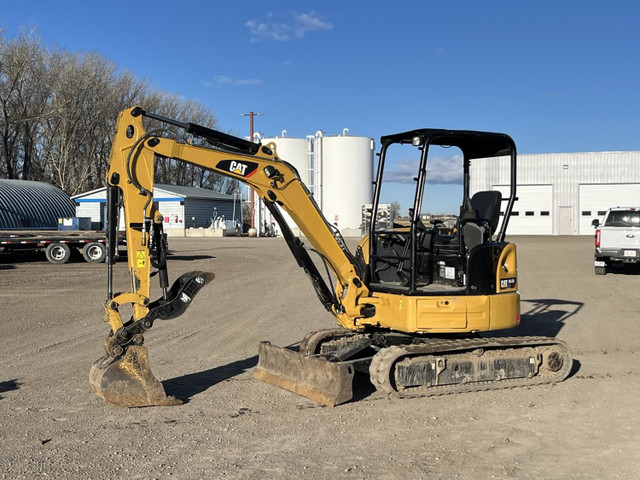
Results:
<point x="123" y="376"/>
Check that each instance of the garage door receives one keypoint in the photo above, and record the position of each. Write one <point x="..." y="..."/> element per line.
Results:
<point x="595" y="199"/>
<point x="532" y="214"/>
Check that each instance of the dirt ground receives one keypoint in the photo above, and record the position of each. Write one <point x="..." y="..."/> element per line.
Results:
<point x="235" y="427"/>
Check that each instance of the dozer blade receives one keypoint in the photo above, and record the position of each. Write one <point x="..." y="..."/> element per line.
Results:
<point x="127" y="381"/>
<point x="316" y="378"/>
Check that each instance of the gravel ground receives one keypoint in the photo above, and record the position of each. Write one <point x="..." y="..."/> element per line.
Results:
<point x="233" y="426"/>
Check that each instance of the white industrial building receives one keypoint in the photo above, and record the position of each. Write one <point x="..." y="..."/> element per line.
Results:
<point x="562" y="193"/>
<point x="182" y="207"/>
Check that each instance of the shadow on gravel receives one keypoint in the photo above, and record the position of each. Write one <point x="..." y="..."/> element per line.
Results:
<point x="187" y="386"/>
<point x="541" y="317"/>
<point x="27" y="256"/>
<point x="575" y="368"/>
<point x="624" y="269"/>
<point x="189" y="258"/>
<point x="362" y="387"/>
<point x="8" y="386"/>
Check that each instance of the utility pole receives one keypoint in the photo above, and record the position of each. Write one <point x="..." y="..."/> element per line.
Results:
<point x="253" y="193"/>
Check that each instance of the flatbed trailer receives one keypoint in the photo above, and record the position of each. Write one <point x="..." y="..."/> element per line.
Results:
<point x="58" y="245"/>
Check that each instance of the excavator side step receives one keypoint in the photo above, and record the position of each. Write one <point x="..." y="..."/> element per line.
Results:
<point x="317" y="378"/>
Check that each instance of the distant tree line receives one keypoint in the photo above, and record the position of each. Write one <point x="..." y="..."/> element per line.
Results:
<point x="58" y="113"/>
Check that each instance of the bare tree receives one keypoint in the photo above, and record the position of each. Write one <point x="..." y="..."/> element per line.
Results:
<point x="180" y="173"/>
<point x="58" y="112"/>
<point x="23" y="103"/>
<point x="86" y="95"/>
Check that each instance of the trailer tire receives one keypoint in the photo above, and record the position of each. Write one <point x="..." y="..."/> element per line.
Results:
<point x="94" y="252"/>
<point x="58" y="253"/>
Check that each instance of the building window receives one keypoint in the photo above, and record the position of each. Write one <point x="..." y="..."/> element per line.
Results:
<point x="586" y="213"/>
<point x="502" y="214"/>
<point x="544" y="213"/>
<point x="529" y="214"/>
<point x="602" y="212"/>
<point x="515" y="214"/>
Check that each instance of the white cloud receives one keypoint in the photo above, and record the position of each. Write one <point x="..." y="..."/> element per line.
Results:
<point x="249" y="81"/>
<point x="274" y="31"/>
<point x="400" y="171"/>
<point x="295" y="25"/>
<point x="222" y="80"/>
<point x="440" y="170"/>
<point x="309" y="22"/>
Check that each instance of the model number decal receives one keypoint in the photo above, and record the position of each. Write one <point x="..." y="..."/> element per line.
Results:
<point x="243" y="169"/>
<point x="507" y="283"/>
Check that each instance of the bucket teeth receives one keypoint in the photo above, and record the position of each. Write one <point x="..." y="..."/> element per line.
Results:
<point x="329" y="383"/>
<point x="127" y="381"/>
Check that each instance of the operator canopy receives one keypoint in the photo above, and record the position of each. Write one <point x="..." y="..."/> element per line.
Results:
<point x="473" y="144"/>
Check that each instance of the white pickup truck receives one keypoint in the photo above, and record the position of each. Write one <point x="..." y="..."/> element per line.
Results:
<point x="617" y="238"/>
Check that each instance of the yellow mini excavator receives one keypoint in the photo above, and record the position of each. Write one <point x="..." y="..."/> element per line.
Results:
<point x="412" y="303"/>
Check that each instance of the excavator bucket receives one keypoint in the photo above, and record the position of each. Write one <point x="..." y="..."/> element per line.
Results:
<point x="127" y="381"/>
<point x="329" y="383"/>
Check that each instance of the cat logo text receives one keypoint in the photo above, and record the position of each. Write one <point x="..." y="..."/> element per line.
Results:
<point x="238" y="168"/>
<point x="243" y="169"/>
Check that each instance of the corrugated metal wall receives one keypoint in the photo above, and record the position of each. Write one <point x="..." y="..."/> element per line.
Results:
<point x="564" y="171"/>
<point x="177" y="210"/>
<point x="173" y="212"/>
<point x="26" y="204"/>
<point x="95" y="211"/>
<point x="202" y="210"/>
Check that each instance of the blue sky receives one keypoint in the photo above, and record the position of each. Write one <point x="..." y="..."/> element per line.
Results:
<point x="558" y="76"/>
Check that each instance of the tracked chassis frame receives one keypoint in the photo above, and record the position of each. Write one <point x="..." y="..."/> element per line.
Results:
<point x="408" y="366"/>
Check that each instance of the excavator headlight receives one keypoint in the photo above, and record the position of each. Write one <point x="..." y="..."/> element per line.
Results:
<point x="416" y="142"/>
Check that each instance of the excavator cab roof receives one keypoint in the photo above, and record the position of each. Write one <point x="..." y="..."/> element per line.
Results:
<point x="473" y="144"/>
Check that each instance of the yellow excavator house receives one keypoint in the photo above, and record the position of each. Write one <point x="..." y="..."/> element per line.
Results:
<point x="412" y="304"/>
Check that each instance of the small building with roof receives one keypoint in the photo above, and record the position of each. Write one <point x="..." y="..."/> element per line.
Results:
<point x="25" y="204"/>
<point x="182" y="207"/>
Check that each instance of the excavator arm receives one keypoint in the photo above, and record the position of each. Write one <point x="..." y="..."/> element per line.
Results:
<point x="274" y="180"/>
<point x="130" y="180"/>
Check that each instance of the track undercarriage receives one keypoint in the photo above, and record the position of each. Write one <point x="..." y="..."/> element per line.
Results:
<point x="408" y="366"/>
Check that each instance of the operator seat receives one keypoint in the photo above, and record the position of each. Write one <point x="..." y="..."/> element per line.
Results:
<point x="480" y="217"/>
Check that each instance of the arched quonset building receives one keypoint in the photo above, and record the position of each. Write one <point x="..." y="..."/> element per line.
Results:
<point x="25" y="204"/>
